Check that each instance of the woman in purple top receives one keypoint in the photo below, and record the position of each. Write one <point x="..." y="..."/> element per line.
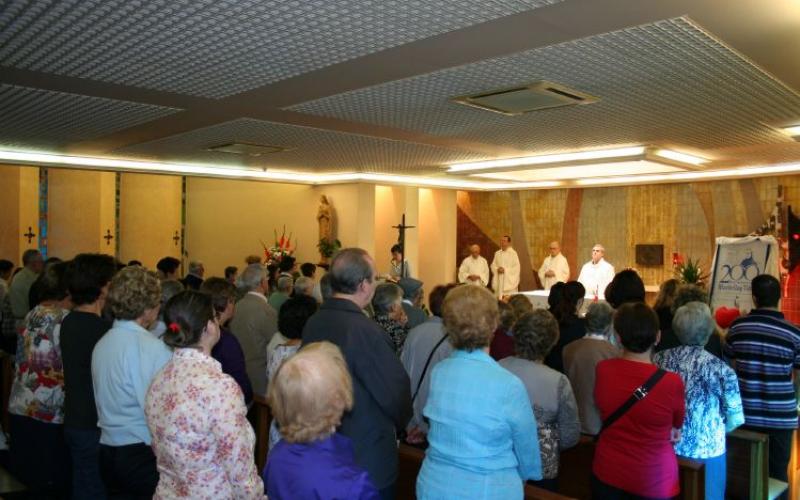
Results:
<point x="308" y="395"/>
<point x="228" y="351"/>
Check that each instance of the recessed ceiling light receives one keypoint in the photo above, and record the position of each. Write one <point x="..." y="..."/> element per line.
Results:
<point x="582" y="156"/>
<point x="603" y="156"/>
<point x="793" y="131"/>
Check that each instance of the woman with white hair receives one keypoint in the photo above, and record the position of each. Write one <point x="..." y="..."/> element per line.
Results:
<point x="308" y="396"/>
<point x="713" y="403"/>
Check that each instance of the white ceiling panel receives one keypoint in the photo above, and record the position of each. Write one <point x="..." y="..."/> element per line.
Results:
<point x="216" y="48"/>
<point x="669" y="82"/>
<point x="308" y="148"/>
<point x="34" y="118"/>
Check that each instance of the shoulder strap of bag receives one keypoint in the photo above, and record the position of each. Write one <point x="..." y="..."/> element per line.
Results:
<point x="639" y="394"/>
<point x="425" y="369"/>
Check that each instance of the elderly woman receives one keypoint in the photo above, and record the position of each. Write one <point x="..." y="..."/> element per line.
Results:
<point x="581" y="358"/>
<point x="549" y="391"/>
<point x="36" y="404"/>
<point x="196" y="413"/>
<point x="634" y="454"/>
<point x="483" y="441"/>
<point x="124" y="362"/>
<point x="713" y="403"/>
<point x="389" y="313"/>
<point x="308" y="395"/>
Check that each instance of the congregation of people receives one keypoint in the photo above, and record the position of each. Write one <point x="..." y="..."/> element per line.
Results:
<point x="132" y="383"/>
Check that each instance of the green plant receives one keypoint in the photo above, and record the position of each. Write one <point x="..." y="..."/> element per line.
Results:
<point x="327" y="247"/>
<point x="690" y="272"/>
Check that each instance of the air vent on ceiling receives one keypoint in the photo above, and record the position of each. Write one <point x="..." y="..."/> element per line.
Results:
<point x="241" y="148"/>
<point x="526" y="98"/>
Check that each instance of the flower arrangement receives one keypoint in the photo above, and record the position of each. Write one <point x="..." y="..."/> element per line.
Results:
<point x="690" y="272"/>
<point x="280" y="249"/>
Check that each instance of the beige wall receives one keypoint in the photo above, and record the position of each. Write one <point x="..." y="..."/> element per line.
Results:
<point x="19" y="209"/>
<point x="437" y="237"/>
<point x="80" y="211"/>
<point x="226" y="219"/>
<point x="150" y="213"/>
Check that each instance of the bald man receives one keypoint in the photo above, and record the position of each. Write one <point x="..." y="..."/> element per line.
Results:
<point x="554" y="267"/>
<point x="597" y="273"/>
<point x="474" y="269"/>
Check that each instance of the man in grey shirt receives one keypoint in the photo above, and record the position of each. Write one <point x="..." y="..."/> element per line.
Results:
<point x="21" y="284"/>
<point x="426" y="343"/>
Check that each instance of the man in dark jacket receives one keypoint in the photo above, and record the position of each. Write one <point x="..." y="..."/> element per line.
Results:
<point x="380" y="384"/>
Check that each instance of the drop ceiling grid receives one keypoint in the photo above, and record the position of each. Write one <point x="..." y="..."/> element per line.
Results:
<point x="212" y="48"/>
<point x="312" y="149"/>
<point x="47" y="119"/>
<point x="668" y="81"/>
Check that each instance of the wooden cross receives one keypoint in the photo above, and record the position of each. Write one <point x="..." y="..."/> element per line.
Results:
<point x="30" y="234"/>
<point x="108" y="237"/>
<point x="176" y="238"/>
<point x="401" y="239"/>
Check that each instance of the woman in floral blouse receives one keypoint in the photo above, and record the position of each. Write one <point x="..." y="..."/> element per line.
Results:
<point x="713" y="402"/>
<point x="389" y="314"/>
<point x="36" y="404"/>
<point x="196" y="413"/>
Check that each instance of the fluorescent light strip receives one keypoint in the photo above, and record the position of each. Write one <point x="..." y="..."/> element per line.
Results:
<point x="272" y="175"/>
<point x="680" y="157"/>
<point x="693" y="176"/>
<point x="543" y="159"/>
<point x="793" y="130"/>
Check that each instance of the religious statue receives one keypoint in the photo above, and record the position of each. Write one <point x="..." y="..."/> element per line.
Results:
<point x="328" y="244"/>
<point x="324" y="218"/>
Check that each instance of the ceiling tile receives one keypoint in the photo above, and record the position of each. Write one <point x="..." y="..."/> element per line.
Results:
<point x="215" y="48"/>
<point x="308" y="149"/>
<point x="33" y="118"/>
<point x="668" y="82"/>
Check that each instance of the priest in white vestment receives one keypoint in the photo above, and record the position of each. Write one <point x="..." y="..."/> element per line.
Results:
<point x="474" y="269"/>
<point x="554" y="267"/>
<point x="505" y="267"/>
<point x="597" y="273"/>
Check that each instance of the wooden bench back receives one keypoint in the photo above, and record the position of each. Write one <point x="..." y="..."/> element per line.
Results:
<point x="748" y="465"/>
<point x="575" y="473"/>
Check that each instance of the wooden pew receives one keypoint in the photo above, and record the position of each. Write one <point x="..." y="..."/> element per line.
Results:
<point x="575" y="473"/>
<point x="263" y="419"/>
<point x="410" y="461"/>
<point x="748" y="467"/>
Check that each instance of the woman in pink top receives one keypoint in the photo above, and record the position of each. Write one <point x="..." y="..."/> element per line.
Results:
<point x="196" y="413"/>
<point x="634" y="457"/>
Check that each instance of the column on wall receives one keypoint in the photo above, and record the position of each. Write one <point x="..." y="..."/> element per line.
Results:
<point x="19" y="210"/>
<point x="437" y="237"/>
<point x="81" y="212"/>
<point x="150" y="217"/>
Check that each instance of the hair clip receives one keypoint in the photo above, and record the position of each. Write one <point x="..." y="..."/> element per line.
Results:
<point x="174" y="327"/>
